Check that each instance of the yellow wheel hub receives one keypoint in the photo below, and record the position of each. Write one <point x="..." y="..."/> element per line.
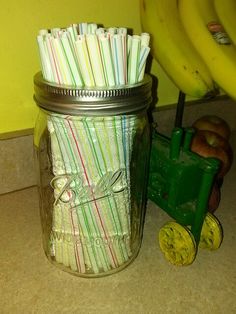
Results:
<point x="211" y="234"/>
<point x="177" y="243"/>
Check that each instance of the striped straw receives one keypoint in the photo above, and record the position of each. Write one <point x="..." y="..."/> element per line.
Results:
<point x="129" y="42"/>
<point x="54" y="65"/>
<point x="123" y="32"/>
<point x="44" y="58"/>
<point x="62" y="61"/>
<point x="112" y="30"/>
<point x="84" y="61"/>
<point x="95" y="59"/>
<point x="43" y="32"/>
<point x="92" y="28"/>
<point x="144" y="52"/>
<point x="55" y="31"/>
<point x="134" y="59"/>
<point x="83" y="28"/>
<point x="118" y="59"/>
<point x="107" y="59"/>
<point x="100" y="30"/>
<point x="71" y="60"/>
<point x="145" y="39"/>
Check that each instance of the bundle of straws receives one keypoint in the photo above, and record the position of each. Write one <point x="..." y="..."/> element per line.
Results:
<point x="92" y="227"/>
<point x="85" y="55"/>
<point x="91" y="218"/>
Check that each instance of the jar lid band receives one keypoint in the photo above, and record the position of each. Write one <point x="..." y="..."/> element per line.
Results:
<point x="94" y="101"/>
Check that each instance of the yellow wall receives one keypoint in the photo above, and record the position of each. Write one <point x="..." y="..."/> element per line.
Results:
<point x="20" y="21"/>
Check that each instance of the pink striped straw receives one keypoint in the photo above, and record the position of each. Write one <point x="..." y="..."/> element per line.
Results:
<point x="111" y="253"/>
<point x="52" y="57"/>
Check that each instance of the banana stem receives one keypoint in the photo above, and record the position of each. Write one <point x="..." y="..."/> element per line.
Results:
<point x="180" y="110"/>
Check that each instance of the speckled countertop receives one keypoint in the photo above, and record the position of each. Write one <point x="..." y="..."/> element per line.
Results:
<point x="30" y="284"/>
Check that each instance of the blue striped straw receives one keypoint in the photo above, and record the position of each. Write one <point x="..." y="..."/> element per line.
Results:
<point x="83" y="28"/>
<point x="118" y="59"/>
<point x="144" y="52"/>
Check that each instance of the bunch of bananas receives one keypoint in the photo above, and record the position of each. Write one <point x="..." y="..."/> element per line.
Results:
<point x="194" y="41"/>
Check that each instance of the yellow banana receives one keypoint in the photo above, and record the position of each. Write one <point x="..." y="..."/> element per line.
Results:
<point x="172" y="48"/>
<point x="226" y="11"/>
<point x="201" y="24"/>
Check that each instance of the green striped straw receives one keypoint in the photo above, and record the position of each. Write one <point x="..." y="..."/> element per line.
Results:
<point x="107" y="59"/>
<point x="95" y="59"/>
<point x="133" y="60"/>
<point x="70" y="57"/>
<point x="84" y="61"/>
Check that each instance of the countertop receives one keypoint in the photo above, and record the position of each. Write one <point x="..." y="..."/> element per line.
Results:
<point x="30" y="284"/>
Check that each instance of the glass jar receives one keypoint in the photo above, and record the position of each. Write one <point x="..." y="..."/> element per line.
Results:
<point x="92" y="151"/>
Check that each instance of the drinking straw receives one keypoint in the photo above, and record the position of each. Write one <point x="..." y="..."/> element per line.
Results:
<point x="100" y="30"/>
<point x="84" y="61"/>
<point x="71" y="60"/>
<point x="83" y="28"/>
<point x="75" y="30"/>
<point x="55" y="31"/>
<point x="61" y="61"/>
<point x="122" y="140"/>
<point x="95" y="59"/>
<point x="112" y="30"/>
<point x="129" y="42"/>
<point x="107" y="59"/>
<point x="92" y="28"/>
<point x="44" y="59"/>
<point x="145" y="39"/>
<point x="54" y="66"/>
<point x="43" y="32"/>
<point x="86" y="223"/>
<point x="123" y="32"/>
<point x="133" y="60"/>
<point x="72" y="34"/>
<point x="144" y="52"/>
<point x="118" y="59"/>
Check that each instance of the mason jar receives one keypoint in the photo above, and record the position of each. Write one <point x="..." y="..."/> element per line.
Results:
<point x="92" y="153"/>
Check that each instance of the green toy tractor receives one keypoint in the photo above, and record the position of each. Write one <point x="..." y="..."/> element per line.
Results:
<point x="180" y="183"/>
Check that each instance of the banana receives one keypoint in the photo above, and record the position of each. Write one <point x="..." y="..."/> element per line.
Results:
<point x="226" y="11"/>
<point x="172" y="48"/>
<point x="201" y="24"/>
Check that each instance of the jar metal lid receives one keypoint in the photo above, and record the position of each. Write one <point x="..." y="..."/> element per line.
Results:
<point x="94" y="101"/>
